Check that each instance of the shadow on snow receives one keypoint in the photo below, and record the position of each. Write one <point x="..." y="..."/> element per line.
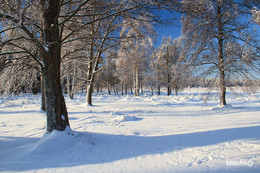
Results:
<point x="75" y="150"/>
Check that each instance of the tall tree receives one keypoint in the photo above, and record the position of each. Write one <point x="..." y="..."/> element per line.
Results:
<point x="221" y="39"/>
<point x="109" y="70"/>
<point x="101" y="35"/>
<point x="165" y="57"/>
<point x="57" y="116"/>
<point x="40" y="27"/>
<point x="44" y="31"/>
<point x="134" y="49"/>
<point x="168" y="66"/>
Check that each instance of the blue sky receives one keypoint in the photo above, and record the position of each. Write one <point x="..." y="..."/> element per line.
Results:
<point x="173" y="30"/>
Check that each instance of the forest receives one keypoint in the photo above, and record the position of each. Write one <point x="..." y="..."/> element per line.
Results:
<point x="67" y="46"/>
<point x="85" y="87"/>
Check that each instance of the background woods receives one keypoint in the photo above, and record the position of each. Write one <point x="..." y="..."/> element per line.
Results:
<point x="67" y="46"/>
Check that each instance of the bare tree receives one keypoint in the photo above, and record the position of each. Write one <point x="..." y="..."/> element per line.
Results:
<point x="43" y="30"/>
<point x="39" y="35"/>
<point x="165" y="58"/>
<point x="134" y="50"/>
<point x="100" y="35"/>
<point x="168" y="66"/>
<point x="221" y="39"/>
<point x="109" y="70"/>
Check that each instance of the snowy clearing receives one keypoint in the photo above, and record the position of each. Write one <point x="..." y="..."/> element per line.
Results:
<point x="134" y="134"/>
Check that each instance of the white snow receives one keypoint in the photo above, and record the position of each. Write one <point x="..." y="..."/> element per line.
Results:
<point x="134" y="134"/>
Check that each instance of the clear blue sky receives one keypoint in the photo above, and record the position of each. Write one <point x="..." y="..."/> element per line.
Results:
<point x="173" y="30"/>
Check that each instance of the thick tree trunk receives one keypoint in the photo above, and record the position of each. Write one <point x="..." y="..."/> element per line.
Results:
<point x="56" y="112"/>
<point x="57" y="116"/>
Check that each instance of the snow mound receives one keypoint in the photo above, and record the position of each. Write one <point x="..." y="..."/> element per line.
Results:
<point x="115" y="113"/>
<point x="123" y="118"/>
<point x="59" y="141"/>
<point x="228" y="106"/>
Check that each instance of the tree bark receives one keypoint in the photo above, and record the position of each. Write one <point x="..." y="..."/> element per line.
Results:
<point x="90" y="80"/>
<point x="222" y="77"/>
<point x="126" y="89"/>
<point x="89" y="85"/>
<point x="136" y="80"/>
<point x="122" y="89"/>
<point x="43" y="105"/>
<point x="168" y="73"/>
<point x="131" y="88"/>
<point x="221" y="60"/>
<point x="141" y="84"/>
<point x="168" y="89"/>
<point x="223" y="89"/>
<point x="56" y="111"/>
<point x="159" y="89"/>
<point x="89" y="94"/>
<point x="108" y="88"/>
<point x="90" y="74"/>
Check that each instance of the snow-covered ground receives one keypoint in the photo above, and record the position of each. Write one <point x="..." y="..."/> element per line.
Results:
<point x="134" y="134"/>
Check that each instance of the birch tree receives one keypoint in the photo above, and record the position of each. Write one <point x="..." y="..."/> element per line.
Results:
<point x="168" y="65"/>
<point x="40" y="27"/>
<point x="101" y="35"/>
<point x="134" y="50"/>
<point x="109" y="70"/>
<point x="220" y="38"/>
<point x="166" y="57"/>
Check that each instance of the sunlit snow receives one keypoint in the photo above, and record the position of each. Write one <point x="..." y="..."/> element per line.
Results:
<point x="134" y="134"/>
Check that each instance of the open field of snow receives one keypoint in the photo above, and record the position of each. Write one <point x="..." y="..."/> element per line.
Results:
<point x="134" y="134"/>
